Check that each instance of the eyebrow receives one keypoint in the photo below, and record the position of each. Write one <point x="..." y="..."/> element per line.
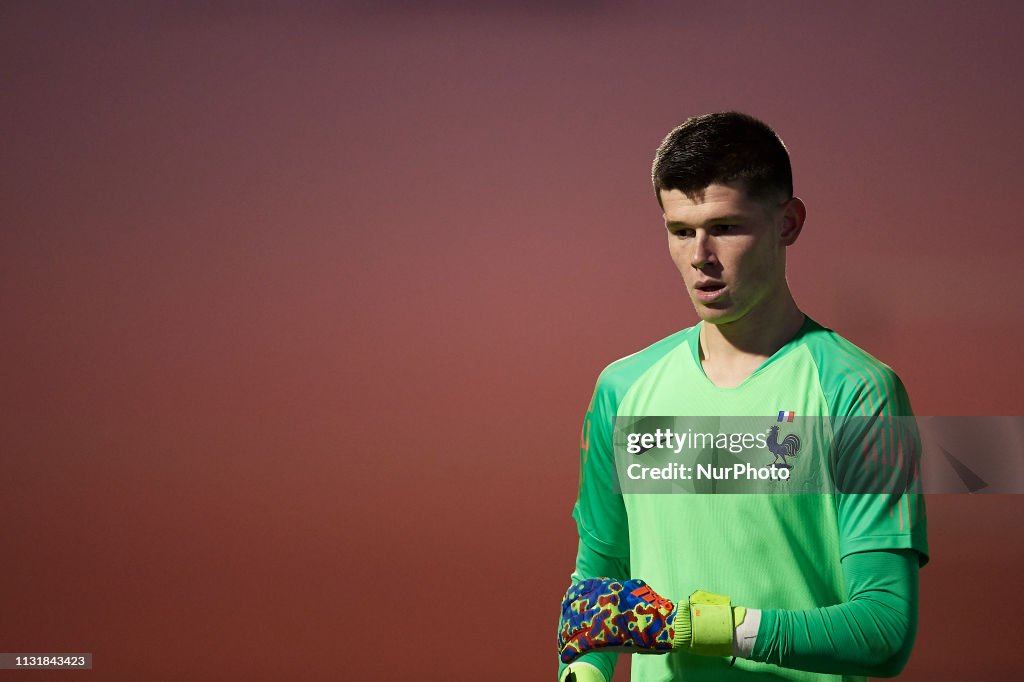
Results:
<point x="710" y="221"/>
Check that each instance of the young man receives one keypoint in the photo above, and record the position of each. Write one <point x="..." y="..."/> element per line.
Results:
<point x="818" y="586"/>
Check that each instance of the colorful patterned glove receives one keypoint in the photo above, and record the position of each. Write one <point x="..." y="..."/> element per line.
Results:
<point x="601" y="613"/>
<point x="616" y="615"/>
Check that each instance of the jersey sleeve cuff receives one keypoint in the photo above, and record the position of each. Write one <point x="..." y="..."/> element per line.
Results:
<point x="595" y="543"/>
<point x="871" y="543"/>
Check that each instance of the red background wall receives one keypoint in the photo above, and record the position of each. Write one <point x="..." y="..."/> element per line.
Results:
<point x="302" y="307"/>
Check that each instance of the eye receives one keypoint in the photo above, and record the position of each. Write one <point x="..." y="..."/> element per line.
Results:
<point x="682" y="232"/>
<point x="724" y="229"/>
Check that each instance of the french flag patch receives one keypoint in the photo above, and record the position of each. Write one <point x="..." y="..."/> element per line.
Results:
<point x="786" y="416"/>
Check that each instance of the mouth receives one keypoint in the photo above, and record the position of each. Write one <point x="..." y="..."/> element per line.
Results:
<point x="708" y="291"/>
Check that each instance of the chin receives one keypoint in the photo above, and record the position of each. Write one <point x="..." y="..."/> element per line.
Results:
<point x="716" y="316"/>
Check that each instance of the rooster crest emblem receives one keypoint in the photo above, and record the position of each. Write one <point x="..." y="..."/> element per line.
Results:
<point x="787" y="448"/>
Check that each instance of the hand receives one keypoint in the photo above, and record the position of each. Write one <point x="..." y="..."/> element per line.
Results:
<point x="601" y="613"/>
<point x="627" y="615"/>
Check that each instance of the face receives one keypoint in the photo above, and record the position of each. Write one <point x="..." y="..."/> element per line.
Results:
<point x="730" y="249"/>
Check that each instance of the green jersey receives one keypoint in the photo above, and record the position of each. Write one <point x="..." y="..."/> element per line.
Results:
<point x="766" y="551"/>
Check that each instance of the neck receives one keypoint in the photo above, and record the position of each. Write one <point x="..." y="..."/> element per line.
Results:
<point x="759" y="333"/>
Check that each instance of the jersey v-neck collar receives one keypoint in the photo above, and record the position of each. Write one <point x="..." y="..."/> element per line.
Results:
<point x="807" y="326"/>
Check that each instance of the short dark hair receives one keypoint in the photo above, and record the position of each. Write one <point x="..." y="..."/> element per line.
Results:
<point x="724" y="148"/>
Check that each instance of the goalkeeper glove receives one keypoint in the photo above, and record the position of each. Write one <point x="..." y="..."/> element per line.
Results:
<point x="607" y="614"/>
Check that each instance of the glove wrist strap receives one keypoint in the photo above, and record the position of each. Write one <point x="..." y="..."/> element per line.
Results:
<point x="704" y="625"/>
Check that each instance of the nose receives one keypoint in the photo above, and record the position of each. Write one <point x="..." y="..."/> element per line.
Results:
<point x="702" y="255"/>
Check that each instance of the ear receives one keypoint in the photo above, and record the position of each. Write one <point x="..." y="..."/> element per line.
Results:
<point x="793" y="215"/>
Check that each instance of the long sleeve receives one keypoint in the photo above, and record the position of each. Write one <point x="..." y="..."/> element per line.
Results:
<point x="871" y="634"/>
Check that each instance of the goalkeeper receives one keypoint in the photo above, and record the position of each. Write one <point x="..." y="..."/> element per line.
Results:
<point x="771" y="586"/>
